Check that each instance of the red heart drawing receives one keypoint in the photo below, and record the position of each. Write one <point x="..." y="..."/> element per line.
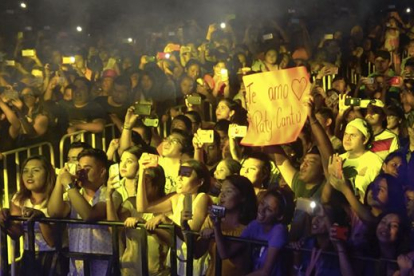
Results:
<point x="299" y="87"/>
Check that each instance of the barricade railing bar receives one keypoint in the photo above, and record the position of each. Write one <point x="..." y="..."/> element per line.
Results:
<point x="114" y="266"/>
<point x="84" y="136"/>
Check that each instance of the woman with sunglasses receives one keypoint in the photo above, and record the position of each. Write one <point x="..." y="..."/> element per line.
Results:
<point x="193" y="184"/>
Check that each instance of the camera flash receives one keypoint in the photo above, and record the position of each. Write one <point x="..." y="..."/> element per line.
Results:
<point x="72" y="59"/>
<point x="313" y="204"/>
<point x="167" y="55"/>
<point x="130" y="40"/>
<point x="223" y="71"/>
<point x="23" y="5"/>
<point x="79" y="28"/>
<point x="408" y="10"/>
<point x="222" y="25"/>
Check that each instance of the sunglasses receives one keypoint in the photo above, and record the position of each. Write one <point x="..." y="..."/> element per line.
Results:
<point x="185" y="171"/>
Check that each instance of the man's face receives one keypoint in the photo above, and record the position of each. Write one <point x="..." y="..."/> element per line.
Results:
<point x="73" y="155"/>
<point x="253" y="170"/>
<point x="374" y="119"/>
<point x="120" y="95"/>
<point x="353" y="140"/>
<point x="80" y="93"/>
<point x="382" y="65"/>
<point x="94" y="170"/>
<point x="107" y="85"/>
<point x="311" y="168"/>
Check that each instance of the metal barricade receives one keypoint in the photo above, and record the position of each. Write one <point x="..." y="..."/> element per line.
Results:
<point x="105" y="138"/>
<point x="11" y="166"/>
<point x="113" y="259"/>
<point x="11" y="162"/>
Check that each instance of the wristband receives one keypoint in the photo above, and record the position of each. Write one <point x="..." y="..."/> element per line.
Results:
<point x="70" y="186"/>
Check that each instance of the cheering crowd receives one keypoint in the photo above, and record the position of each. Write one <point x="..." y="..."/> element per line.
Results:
<point x="177" y="101"/>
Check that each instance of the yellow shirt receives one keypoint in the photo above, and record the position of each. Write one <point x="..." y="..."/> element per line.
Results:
<point x="227" y="267"/>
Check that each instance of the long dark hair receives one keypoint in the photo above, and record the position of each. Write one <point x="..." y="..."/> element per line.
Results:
<point x="24" y="194"/>
<point x="202" y="174"/>
<point x="247" y="207"/>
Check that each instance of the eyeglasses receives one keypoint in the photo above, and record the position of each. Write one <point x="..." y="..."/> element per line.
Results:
<point x="172" y="141"/>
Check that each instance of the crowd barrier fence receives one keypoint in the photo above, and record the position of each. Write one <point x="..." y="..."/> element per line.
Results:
<point x="114" y="266"/>
<point x="105" y="138"/>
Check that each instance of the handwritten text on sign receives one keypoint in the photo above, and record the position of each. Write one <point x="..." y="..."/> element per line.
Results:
<point x="274" y="101"/>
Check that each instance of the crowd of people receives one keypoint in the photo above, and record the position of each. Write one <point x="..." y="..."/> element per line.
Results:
<point x="346" y="186"/>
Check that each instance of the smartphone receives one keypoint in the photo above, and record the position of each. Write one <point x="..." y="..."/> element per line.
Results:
<point x="224" y="74"/>
<point x="68" y="60"/>
<point x="370" y="80"/>
<point x="305" y="205"/>
<point x="171" y="33"/>
<point x="237" y="131"/>
<point x="150" y="58"/>
<point x="328" y="36"/>
<point x="37" y="73"/>
<point x="341" y="232"/>
<point x="72" y="167"/>
<point x="142" y="109"/>
<point x="353" y="101"/>
<point x="194" y="99"/>
<point x="188" y="204"/>
<point x="205" y="136"/>
<point x="10" y="63"/>
<point x="395" y="81"/>
<point x="268" y="36"/>
<point x="163" y="55"/>
<point x="151" y="122"/>
<point x="200" y="81"/>
<point x="28" y="53"/>
<point x="152" y="159"/>
<point x="20" y="35"/>
<point x="218" y="211"/>
<point x="114" y="170"/>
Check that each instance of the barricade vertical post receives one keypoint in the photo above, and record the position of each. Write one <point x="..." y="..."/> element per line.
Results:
<point x="173" y="253"/>
<point x="144" y="250"/>
<point x="4" y="266"/>
<point x="113" y="267"/>
<point x="31" y="244"/>
<point x="190" y="251"/>
<point x="218" y="263"/>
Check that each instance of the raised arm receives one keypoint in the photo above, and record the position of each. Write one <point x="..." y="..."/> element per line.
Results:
<point x="163" y="205"/>
<point x="56" y="207"/>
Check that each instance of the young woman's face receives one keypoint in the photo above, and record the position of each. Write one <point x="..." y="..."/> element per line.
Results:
<point x="193" y="71"/>
<point x="172" y="146"/>
<point x="392" y="166"/>
<point x="271" y="57"/>
<point x="320" y="223"/>
<point x="378" y="194"/>
<point x="146" y="83"/>
<point x="187" y="184"/>
<point x="387" y="229"/>
<point x="230" y="196"/>
<point x="393" y="121"/>
<point x="222" y="171"/>
<point x="218" y="67"/>
<point x="268" y="210"/>
<point x="129" y="165"/>
<point x="186" y="86"/>
<point x="34" y="176"/>
<point x="29" y="98"/>
<point x="223" y="111"/>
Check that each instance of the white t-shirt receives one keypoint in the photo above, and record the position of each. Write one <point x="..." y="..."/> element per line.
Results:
<point x="366" y="168"/>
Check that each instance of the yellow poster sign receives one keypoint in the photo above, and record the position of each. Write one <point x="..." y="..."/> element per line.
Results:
<point x="274" y="101"/>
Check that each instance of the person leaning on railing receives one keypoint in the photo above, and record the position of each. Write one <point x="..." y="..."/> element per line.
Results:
<point x="274" y="213"/>
<point x="38" y="178"/>
<point x="238" y="200"/>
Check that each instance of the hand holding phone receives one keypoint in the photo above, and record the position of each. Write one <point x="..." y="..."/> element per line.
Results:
<point x="205" y="136"/>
